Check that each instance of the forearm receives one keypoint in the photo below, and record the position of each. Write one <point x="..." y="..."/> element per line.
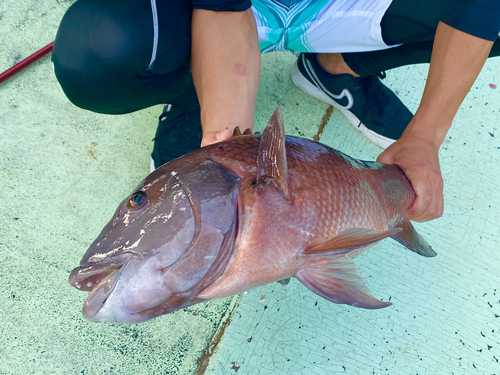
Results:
<point x="457" y="59"/>
<point x="225" y="64"/>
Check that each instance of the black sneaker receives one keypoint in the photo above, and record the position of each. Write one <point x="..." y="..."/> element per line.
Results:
<point x="179" y="132"/>
<point x="371" y="107"/>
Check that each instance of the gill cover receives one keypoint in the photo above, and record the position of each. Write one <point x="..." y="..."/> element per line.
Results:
<point x="211" y="192"/>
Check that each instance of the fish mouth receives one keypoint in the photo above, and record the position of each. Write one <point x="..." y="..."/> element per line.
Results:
<point x="100" y="280"/>
<point x="89" y="276"/>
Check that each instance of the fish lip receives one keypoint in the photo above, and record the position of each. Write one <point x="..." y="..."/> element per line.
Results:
<point x="87" y="277"/>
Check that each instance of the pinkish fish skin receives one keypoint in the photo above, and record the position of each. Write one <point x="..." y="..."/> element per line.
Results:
<point x="242" y="213"/>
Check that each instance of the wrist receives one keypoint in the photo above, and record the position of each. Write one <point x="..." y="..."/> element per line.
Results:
<point x="432" y="130"/>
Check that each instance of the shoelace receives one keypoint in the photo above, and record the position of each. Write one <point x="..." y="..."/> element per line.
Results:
<point x="376" y="97"/>
<point x="179" y="130"/>
<point x="181" y="121"/>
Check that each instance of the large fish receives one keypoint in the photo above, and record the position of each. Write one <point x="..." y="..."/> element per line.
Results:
<point x="243" y="213"/>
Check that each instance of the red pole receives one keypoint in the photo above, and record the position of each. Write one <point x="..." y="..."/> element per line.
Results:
<point x="27" y="61"/>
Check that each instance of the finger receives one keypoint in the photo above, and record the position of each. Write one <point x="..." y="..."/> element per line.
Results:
<point x="208" y="139"/>
<point x="417" y="211"/>
<point x="224" y="134"/>
<point x="433" y="211"/>
<point x="423" y="193"/>
<point x="384" y="158"/>
<point x="429" y="203"/>
<point x="387" y="156"/>
<point x="216" y="136"/>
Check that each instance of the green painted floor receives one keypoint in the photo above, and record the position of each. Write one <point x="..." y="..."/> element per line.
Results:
<point x="64" y="170"/>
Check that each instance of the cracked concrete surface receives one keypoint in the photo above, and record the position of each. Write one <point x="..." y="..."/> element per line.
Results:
<point x="63" y="171"/>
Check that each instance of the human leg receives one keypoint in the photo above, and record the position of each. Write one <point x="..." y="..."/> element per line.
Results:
<point x="109" y="57"/>
<point x="368" y="63"/>
<point x="413" y="24"/>
<point x="375" y="111"/>
<point x="103" y="52"/>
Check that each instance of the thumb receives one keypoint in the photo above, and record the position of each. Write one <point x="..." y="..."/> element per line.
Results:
<point x="385" y="158"/>
<point x="215" y="137"/>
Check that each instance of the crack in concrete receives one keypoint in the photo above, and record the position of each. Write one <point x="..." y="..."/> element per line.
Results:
<point x="324" y="121"/>
<point x="216" y="338"/>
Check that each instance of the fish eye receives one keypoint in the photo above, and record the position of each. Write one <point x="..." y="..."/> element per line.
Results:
<point x="137" y="200"/>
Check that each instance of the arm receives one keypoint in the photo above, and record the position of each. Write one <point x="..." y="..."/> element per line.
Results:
<point x="225" y="64"/>
<point x="457" y="59"/>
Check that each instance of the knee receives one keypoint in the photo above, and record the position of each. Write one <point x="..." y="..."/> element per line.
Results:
<point x="96" y="53"/>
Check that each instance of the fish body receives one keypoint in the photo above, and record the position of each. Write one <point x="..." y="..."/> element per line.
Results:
<point x="242" y="213"/>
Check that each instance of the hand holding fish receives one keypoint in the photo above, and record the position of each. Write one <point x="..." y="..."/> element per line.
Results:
<point x="455" y="54"/>
<point x="418" y="159"/>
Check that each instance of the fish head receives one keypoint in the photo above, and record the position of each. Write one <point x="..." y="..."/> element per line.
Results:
<point x="165" y="242"/>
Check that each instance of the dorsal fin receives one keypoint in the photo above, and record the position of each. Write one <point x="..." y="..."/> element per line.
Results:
<point x="271" y="159"/>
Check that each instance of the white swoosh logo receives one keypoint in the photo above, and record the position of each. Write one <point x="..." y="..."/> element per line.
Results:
<point x="344" y="93"/>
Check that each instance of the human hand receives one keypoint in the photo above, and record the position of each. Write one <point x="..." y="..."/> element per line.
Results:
<point x="418" y="158"/>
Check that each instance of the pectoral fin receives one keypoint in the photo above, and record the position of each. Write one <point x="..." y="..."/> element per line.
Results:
<point x="338" y="280"/>
<point x="351" y="239"/>
<point x="410" y="238"/>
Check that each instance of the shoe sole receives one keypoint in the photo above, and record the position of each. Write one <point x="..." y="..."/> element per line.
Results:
<point x="302" y="83"/>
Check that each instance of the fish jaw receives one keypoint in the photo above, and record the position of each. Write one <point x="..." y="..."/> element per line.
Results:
<point x="136" y="291"/>
<point x="100" y="280"/>
<point x="123" y="295"/>
<point x="96" y="301"/>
